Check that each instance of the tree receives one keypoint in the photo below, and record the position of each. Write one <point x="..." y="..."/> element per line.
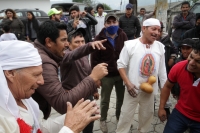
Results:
<point x="81" y="1"/>
<point x="106" y="7"/>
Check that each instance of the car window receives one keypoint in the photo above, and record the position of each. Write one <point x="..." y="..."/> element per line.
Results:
<point x="19" y="14"/>
<point x="37" y="14"/>
<point x="2" y="14"/>
<point x="196" y="8"/>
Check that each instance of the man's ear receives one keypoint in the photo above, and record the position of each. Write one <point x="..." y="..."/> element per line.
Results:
<point x="143" y="28"/>
<point x="48" y="42"/>
<point x="10" y="74"/>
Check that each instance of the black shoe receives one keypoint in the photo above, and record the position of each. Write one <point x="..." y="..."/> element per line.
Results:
<point x="167" y="112"/>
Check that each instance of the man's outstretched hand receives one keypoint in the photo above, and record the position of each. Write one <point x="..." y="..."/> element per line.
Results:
<point x="98" y="44"/>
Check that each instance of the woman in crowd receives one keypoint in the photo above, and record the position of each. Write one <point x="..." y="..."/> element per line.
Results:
<point x="90" y="10"/>
<point x="32" y="26"/>
<point x="16" y="25"/>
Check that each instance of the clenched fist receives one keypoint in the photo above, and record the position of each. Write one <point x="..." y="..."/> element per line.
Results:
<point x="99" y="71"/>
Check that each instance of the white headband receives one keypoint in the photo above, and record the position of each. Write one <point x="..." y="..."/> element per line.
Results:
<point x="14" y="55"/>
<point x="151" y="22"/>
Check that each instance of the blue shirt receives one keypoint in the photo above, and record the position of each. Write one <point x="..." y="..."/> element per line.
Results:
<point x="111" y="40"/>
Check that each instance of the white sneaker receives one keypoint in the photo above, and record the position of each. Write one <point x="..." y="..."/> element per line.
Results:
<point x="103" y="127"/>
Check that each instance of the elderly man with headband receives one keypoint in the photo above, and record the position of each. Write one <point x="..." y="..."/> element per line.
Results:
<point x="20" y="74"/>
<point x="140" y="59"/>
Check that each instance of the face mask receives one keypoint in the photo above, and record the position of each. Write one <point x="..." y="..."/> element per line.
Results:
<point x="112" y="29"/>
<point x="198" y="28"/>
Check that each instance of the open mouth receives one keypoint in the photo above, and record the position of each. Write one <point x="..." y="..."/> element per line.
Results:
<point x="154" y="36"/>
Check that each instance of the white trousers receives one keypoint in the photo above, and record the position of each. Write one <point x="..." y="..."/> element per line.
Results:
<point x="145" y="112"/>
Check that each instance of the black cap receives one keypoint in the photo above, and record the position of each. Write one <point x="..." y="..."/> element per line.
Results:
<point x="74" y="31"/>
<point x="188" y="42"/>
<point x="111" y="15"/>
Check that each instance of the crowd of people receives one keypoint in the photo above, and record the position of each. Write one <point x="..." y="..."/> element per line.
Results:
<point x="51" y="71"/>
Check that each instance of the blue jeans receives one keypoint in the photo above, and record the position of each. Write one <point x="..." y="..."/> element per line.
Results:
<point x="178" y="123"/>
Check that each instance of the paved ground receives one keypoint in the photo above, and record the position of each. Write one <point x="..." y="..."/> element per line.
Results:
<point x="157" y="126"/>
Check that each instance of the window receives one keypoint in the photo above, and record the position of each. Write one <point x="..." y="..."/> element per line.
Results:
<point x="37" y="14"/>
<point x="196" y="8"/>
<point x="19" y="14"/>
<point x="2" y="14"/>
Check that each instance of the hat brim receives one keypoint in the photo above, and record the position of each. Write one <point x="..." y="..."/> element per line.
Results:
<point x="109" y="17"/>
<point x="185" y="45"/>
<point x="79" y="29"/>
<point x="50" y="14"/>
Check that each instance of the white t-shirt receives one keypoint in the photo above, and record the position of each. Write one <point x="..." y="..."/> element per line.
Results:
<point x="7" y="37"/>
<point x="100" y="19"/>
<point x="140" y="62"/>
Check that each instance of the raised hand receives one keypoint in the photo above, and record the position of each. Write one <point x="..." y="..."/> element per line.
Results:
<point x="81" y="115"/>
<point x="98" y="44"/>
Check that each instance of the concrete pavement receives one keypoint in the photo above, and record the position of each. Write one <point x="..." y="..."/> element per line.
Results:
<point x="156" y="127"/>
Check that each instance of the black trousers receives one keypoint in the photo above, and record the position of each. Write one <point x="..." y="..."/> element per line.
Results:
<point x="89" y="127"/>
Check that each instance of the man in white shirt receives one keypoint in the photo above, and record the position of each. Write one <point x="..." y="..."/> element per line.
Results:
<point x="99" y="16"/>
<point x="7" y="35"/>
<point x="139" y="59"/>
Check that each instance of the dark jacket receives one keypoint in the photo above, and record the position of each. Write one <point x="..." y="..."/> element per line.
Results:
<point x="176" y="88"/>
<point x="131" y="26"/>
<point x="75" y="66"/>
<point x="88" y="20"/>
<point x="170" y="50"/>
<point x="52" y="94"/>
<point x="111" y="54"/>
<point x="181" y="26"/>
<point x="32" y="27"/>
<point x="16" y="27"/>
<point x="192" y="33"/>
